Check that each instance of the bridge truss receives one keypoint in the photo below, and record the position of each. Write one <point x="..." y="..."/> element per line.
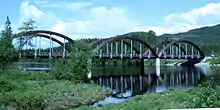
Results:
<point x="121" y="47"/>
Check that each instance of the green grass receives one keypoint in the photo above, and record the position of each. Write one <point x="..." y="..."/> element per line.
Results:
<point x="40" y="90"/>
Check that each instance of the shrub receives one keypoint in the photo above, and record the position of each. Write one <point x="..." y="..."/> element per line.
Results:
<point x="77" y="66"/>
<point x="27" y="99"/>
<point x="206" y="96"/>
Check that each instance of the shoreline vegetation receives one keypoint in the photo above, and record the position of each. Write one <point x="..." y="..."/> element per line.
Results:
<point x="40" y="90"/>
<point x="206" y="95"/>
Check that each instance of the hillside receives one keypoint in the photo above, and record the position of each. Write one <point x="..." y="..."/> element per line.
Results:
<point x="205" y="34"/>
<point x="208" y="38"/>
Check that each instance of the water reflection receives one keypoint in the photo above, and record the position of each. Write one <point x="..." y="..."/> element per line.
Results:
<point x="128" y="82"/>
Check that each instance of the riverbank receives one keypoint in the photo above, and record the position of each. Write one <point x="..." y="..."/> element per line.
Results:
<point x="40" y="90"/>
<point x="207" y="94"/>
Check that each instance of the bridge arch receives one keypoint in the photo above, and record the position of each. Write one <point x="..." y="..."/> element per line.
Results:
<point x="164" y="43"/>
<point x="53" y="36"/>
<point x="55" y="40"/>
<point x="31" y="33"/>
<point x="175" y="42"/>
<point x="123" y="39"/>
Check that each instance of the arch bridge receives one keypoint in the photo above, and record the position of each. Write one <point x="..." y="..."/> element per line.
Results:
<point x="120" y="47"/>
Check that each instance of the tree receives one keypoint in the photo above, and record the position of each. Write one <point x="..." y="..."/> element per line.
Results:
<point x="7" y="33"/>
<point x="28" y="25"/>
<point x="150" y="32"/>
<point x="7" y="51"/>
<point x="77" y="66"/>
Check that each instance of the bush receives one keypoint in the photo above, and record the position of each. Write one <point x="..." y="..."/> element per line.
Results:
<point x="27" y="99"/>
<point x="206" y="96"/>
<point x="77" y="66"/>
<point x="7" y="53"/>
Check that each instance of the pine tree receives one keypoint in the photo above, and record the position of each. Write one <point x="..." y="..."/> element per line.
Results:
<point x="7" y="33"/>
<point x="7" y="51"/>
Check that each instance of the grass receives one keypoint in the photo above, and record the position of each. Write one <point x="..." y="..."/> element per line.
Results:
<point x="40" y="90"/>
<point x="207" y="95"/>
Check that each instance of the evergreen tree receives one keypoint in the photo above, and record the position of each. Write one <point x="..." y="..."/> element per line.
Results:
<point x="7" y="51"/>
<point x="7" y="33"/>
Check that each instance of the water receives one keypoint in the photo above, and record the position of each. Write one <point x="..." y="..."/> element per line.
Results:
<point x="126" y="82"/>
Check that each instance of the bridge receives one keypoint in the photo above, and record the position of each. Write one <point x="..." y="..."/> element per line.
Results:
<point x="120" y="47"/>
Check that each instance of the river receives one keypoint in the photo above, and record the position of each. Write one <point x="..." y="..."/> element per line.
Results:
<point x="126" y="82"/>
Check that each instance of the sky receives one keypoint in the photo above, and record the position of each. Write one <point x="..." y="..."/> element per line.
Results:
<point x="106" y="18"/>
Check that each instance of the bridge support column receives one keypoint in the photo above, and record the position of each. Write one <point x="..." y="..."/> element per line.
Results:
<point x="131" y="55"/>
<point x="179" y="51"/>
<point x="64" y="48"/>
<point x="165" y="53"/>
<point x="158" y="66"/>
<point x="140" y="54"/>
<point x="116" y="48"/>
<point x="50" y="47"/>
<point x="198" y="55"/>
<point x="39" y="45"/>
<point x="125" y="50"/>
<point x="186" y="52"/>
<point x="149" y="54"/>
<point x="107" y="49"/>
<point x="157" y="50"/>
<point x="122" y="49"/>
<point x="100" y="53"/>
<point x="172" y="54"/>
<point x="111" y="55"/>
<point x="35" y="48"/>
<point x="97" y="52"/>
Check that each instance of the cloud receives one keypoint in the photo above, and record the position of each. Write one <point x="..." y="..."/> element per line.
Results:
<point x="203" y="15"/>
<point x="103" y="22"/>
<point x="100" y="22"/>
<point x="63" y="4"/>
<point x="207" y="15"/>
<point x="43" y="19"/>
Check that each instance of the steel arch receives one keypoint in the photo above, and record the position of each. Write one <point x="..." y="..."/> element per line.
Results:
<point x="30" y="33"/>
<point x="166" y="42"/>
<point x="127" y="38"/>
<point x="55" y="40"/>
<point x="180" y="41"/>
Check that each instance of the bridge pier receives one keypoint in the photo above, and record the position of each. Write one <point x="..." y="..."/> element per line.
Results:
<point x="158" y="66"/>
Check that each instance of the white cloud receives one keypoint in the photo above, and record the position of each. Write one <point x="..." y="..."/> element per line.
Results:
<point x="180" y="22"/>
<point x="63" y="4"/>
<point x="207" y="14"/>
<point x="43" y="19"/>
<point x="106" y="22"/>
<point x="103" y="22"/>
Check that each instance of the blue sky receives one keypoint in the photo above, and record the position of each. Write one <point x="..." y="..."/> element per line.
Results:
<point x="106" y="18"/>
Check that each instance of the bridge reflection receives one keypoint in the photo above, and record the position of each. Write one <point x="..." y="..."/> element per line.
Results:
<point x="130" y="85"/>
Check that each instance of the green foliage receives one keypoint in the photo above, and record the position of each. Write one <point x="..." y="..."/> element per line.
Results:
<point x="6" y="85"/>
<point x="28" y="99"/>
<point x="207" y="96"/>
<point x="7" y="51"/>
<point x="28" y="25"/>
<point x="40" y="90"/>
<point x="77" y="66"/>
